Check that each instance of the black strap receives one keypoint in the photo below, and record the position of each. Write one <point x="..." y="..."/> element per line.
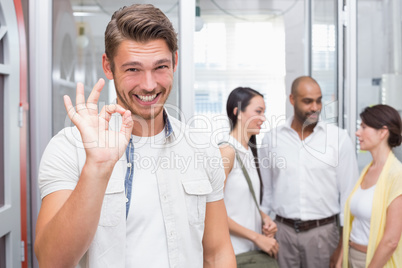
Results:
<point x="250" y="185"/>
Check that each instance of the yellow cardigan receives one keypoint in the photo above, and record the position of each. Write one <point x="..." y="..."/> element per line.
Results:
<point x="389" y="186"/>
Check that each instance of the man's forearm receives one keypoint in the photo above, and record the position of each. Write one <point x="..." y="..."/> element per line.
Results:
<point x="64" y="233"/>
<point x="226" y="259"/>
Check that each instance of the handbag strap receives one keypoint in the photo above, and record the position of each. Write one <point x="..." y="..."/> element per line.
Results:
<point x="250" y="185"/>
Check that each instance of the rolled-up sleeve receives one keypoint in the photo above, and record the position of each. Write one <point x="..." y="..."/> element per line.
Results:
<point x="59" y="168"/>
<point x="216" y="173"/>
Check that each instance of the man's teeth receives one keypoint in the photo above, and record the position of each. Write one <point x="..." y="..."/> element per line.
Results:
<point x="147" y="98"/>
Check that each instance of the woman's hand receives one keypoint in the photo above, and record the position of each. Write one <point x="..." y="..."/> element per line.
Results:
<point x="267" y="244"/>
<point x="269" y="227"/>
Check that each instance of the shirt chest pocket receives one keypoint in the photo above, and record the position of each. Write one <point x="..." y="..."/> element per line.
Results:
<point x="196" y="192"/>
<point x="113" y="206"/>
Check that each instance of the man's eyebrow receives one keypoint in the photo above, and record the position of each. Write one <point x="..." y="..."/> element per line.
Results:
<point x="162" y="61"/>
<point x="137" y="63"/>
<point x="311" y="99"/>
<point x="132" y="63"/>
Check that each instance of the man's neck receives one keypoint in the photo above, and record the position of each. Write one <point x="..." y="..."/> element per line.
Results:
<point x="148" y="128"/>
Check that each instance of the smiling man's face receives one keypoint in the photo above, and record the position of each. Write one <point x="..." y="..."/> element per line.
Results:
<point x="307" y="102"/>
<point x="143" y="76"/>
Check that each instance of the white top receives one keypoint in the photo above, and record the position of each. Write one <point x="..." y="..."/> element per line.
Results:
<point x="145" y="218"/>
<point x="361" y="205"/>
<point x="307" y="179"/>
<point x="239" y="202"/>
<point x="189" y="173"/>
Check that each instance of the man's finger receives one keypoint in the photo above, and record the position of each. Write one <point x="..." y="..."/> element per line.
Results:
<point x="108" y="110"/>
<point x="127" y="125"/>
<point x="69" y="107"/>
<point x="93" y="98"/>
<point x="80" y="97"/>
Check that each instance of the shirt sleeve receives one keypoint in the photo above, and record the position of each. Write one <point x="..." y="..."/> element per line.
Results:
<point x="266" y="177"/>
<point x="59" y="169"/>
<point x="216" y="173"/>
<point x="347" y="171"/>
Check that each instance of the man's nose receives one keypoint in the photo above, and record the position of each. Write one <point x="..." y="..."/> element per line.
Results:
<point x="314" y="106"/>
<point x="148" y="82"/>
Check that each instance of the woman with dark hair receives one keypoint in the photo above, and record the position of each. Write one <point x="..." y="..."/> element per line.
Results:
<point x="250" y="229"/>
<point x="373" y="212"/>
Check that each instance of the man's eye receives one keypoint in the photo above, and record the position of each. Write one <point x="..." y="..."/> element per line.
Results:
<point x="132" y="70"/>
<point x="162" y="67"/>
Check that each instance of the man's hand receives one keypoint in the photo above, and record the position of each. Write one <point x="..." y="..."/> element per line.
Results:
<point x="102" y="145"/>
<point x="336" y="258"/>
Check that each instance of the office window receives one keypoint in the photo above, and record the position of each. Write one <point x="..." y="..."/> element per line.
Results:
<point x="324" y="59"/>
<point x="324" y="53"/>
<point x="230" y="53"/>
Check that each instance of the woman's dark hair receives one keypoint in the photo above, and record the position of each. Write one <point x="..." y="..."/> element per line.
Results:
<point x="379" y="116"/>
<point x="240" y="98"/>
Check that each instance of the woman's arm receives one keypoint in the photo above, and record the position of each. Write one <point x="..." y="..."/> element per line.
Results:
<point x="392" y="234"/>
<point x="267" y="244"/>
<point x="228" y="157"/>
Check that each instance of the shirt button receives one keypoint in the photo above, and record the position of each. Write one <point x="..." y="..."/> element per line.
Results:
<point x="128" y="164"/>
<point x="165" y="198"/>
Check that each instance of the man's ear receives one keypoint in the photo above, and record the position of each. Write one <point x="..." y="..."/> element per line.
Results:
<point x="292" y="99"/>
<point x="176" y="59"/>
<point x="107" y="67"/>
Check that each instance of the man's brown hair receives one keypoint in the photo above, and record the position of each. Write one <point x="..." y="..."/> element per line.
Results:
<point x="140" y="23"/>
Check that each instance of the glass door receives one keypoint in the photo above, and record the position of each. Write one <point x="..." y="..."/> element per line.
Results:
<point x="379" y="60"/>
<point x="323" y="54"/>
<point x="10" y="237"/>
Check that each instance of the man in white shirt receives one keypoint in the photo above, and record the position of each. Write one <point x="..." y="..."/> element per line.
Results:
<point x="308" y="169"/>
<point x="132" y="186"/>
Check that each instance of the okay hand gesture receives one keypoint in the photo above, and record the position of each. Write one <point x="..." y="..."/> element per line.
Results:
<point x="102" y="146"/>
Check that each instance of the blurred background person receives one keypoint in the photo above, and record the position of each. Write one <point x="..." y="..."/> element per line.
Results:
<point x="373" y="218"/>
<point x="308" y="190"/>
<point x="250" y="228"/>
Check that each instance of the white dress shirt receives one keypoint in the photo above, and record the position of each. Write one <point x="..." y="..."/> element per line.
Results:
<point x="307" y="179"/>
